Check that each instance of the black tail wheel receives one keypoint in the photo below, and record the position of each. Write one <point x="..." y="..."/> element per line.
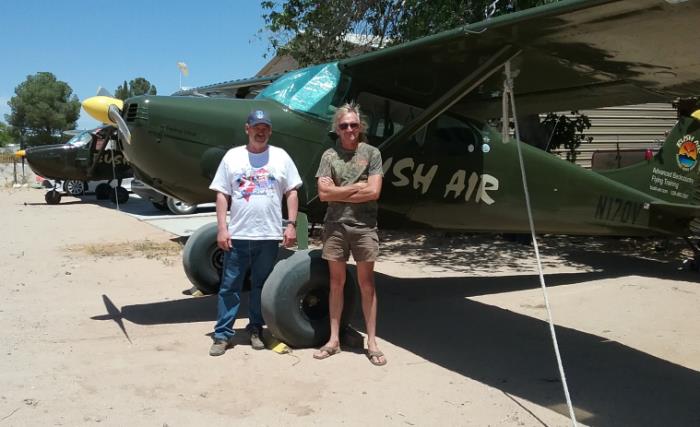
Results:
<point x="295" y="300"/>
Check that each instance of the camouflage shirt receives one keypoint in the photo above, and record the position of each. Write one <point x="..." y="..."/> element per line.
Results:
<point x="346" y="168"/>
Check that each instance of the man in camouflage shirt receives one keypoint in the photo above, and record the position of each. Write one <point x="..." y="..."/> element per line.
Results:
<point x="350" y="180"/>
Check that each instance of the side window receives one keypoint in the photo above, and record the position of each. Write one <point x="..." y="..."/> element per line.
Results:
<point x="385" y="117"/>
<point x="452" y="137"/>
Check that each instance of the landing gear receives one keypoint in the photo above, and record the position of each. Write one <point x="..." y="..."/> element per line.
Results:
<point x="295" y="300"/>
<point x="121" y="195"/>
<point x="203" y="260"/>
<point x="160" y="206"/>
<point x="102" y="191"/>
<point x="52" y="197"/>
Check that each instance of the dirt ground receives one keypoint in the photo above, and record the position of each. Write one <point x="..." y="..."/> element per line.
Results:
<point x="96" y="331"/>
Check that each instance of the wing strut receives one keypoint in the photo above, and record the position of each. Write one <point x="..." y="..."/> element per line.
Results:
<point x="452" y="96"/>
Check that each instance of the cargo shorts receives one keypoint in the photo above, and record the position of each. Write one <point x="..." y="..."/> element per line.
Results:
<point x="339" y="240"/>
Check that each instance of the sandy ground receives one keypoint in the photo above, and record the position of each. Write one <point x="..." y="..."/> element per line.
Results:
<point x="90" y="340"/>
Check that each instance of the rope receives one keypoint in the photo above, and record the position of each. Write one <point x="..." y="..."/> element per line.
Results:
<point x="114" y="178"/>
<point x="508" y="86"/>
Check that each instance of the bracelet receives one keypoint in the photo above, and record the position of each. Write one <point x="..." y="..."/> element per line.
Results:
<point x="293" y="223"/>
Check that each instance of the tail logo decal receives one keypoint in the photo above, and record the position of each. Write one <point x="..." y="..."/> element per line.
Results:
<point x="687" y="156"/>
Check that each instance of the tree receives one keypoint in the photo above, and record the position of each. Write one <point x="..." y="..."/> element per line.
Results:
<point x="315" y="32"/>
<point x="42" y="109"/>
<point x="312" y="31"/>
<point x="6" y="136"/>
<point x="566" y="130"/>
<point x="136" y="87"/>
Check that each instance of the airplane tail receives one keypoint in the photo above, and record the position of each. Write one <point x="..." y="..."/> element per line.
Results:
<point x="673" y="174"/>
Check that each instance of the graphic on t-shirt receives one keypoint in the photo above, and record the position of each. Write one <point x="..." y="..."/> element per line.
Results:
<point x="255" y="182"/>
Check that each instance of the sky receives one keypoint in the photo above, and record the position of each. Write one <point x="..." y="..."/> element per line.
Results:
<point x="95" y="43"/>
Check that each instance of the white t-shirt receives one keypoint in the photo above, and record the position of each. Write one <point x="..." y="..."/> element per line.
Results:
<point x="256" y="184"/>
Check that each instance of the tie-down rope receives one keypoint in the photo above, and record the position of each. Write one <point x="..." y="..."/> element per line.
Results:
<point x="508" y="91"/>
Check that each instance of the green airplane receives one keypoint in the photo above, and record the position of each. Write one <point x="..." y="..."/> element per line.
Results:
<point x="427" y="104"/>
<point x="89" y="155"/>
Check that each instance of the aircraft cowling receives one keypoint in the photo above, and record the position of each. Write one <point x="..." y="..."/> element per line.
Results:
<point x="178" y="142"/>
<point x="56" y="161"/>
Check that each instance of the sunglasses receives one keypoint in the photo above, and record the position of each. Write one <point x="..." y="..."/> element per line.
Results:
<point x="344" y="126"/>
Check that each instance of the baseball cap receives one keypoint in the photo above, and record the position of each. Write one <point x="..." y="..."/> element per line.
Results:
<point x="257" y="117"/>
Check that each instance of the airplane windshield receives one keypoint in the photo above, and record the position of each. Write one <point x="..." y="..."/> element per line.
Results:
<point x="309" y="90"/>
<point x="80" y="139"/>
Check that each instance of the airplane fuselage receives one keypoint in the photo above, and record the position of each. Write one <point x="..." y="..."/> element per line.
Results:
<point x="459" y="175"/>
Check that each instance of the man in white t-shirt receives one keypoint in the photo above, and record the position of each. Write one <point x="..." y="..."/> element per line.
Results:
<point x="253" y="179"/>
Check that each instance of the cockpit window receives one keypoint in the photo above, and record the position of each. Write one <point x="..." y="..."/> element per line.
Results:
<point x="309" y="90"/>
<point x="80" y="139"/>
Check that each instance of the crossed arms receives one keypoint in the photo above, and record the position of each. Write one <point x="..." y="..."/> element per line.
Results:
<point x="358" y="192"/>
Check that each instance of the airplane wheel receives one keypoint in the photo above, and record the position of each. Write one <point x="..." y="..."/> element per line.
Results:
<point x="203" y="260"/>
<point x="102" y="191"/>
<point x="295" y="300"/>
<point x="160" y="206"/>
<point x="122" y="196"/>
<point x="74" y="187"/>
<point x="52" y="197"/>
<point x="179" y="207"/>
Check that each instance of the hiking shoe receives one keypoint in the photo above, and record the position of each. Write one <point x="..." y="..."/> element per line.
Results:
<point x="256" y="341"/>
<point x="218" y="348"/>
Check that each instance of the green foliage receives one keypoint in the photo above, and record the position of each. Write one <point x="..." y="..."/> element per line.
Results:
<point x="6" y="136"/>
<point x="136" y="87"/>
<point x="566" y="131"/>
<point x="42" y="109"/>
<point x="313" y="32"/>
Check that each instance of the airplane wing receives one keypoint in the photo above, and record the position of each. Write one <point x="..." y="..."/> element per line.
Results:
<point x="572" y="54"/>
<point x="242" y="88"/>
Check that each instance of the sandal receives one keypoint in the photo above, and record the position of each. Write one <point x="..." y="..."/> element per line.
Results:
<point x="374" y="356"/>
<point x="329" y="351"/>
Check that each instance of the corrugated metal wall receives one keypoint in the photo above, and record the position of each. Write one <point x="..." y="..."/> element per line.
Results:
<point x="632" y="129"/>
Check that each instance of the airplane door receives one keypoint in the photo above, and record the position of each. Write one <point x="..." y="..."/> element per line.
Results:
<point x="82" y="156"/>
<point x="451" y="176"/>
<point x="385" y="117"/>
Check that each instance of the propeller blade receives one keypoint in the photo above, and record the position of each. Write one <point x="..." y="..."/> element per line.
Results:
<point x="115" y="115"/>
<point x="103" y="92"/>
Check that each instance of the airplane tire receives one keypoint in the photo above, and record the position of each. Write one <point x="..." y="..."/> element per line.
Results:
<point x="102" y="191"/>
<point x="122" y="195"/>
<point x="52" y="197"/>
<point x="203" y="260"/>
<point x="74" y="187"/>
<point x="295" y="300"/>
<point x="179" y="207"/>
<point x="160" y="206"/>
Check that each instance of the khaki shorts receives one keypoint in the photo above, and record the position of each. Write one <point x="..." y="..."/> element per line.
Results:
<point x="339" y="240"/>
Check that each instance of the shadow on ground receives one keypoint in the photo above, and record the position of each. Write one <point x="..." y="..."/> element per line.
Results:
<point x="611" y="384"/>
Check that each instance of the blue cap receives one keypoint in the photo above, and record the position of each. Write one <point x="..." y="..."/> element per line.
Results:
<point x="257" y="117"/>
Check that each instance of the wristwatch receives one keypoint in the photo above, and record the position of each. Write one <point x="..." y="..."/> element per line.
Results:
<point x="287" y="222"/>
